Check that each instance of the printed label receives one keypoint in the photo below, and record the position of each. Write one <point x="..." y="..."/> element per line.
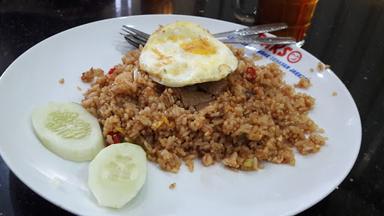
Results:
<point x="283" y="55"/>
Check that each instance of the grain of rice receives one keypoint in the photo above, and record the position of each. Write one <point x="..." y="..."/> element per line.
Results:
<point x="172" y="186"/>
<point x="303" y="83"/>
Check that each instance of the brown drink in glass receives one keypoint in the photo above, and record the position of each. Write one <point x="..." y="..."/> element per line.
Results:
<point x="296" y="13"/>
<point x="156" y="6"/>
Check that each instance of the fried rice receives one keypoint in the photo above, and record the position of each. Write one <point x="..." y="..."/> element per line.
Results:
<point x="255" y="118"/>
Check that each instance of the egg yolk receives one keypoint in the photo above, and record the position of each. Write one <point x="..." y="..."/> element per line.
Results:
<point x="199" y="46"/>
<point x="175" y="37"/>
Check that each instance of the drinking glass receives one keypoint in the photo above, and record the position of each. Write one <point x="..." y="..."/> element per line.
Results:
<point x="297" y="14"/>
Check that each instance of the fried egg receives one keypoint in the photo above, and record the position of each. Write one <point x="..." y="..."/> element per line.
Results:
<point x="183" y="53"/>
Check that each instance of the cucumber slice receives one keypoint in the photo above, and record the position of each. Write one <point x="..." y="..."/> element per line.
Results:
<point x="68" y="130"/>
<point x="117" y="174"/>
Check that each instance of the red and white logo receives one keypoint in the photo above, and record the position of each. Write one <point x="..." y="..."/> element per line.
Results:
<point x="294" y="56"/>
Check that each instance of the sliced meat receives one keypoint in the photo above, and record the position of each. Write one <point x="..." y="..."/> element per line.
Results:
<point x="214" y="88"/>
<point x="194" y="98"/>
<point x="201" y="106"/>
<point x="200" y="95"/>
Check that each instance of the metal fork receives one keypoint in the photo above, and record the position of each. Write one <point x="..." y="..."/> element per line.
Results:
<point x="243" y="36"/>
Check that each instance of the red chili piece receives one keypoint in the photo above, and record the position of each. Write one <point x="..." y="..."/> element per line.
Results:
<point x="250" y="74"/>
<point x="111" y="70"/>
<point x="116" y="138"/>
<point x="262" y="35"/>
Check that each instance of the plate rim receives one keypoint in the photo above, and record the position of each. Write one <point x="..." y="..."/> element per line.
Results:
<point x="22" y="178"/>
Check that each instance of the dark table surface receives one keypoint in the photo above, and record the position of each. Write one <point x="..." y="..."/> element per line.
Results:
<point x="347" y="34"/>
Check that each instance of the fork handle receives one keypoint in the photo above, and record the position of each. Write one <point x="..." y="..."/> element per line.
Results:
<point x="253" y="30"/>
<point x="257" y="40"/>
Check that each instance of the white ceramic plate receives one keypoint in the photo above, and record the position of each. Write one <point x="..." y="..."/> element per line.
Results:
<point x="32" y="80"/>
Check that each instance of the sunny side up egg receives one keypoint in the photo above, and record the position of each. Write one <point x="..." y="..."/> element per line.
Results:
<point x="183" y="53"/>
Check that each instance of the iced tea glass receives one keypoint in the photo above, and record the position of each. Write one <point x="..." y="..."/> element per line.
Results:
<point x="296" y="13"/>
<point x="156" y="6"/>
